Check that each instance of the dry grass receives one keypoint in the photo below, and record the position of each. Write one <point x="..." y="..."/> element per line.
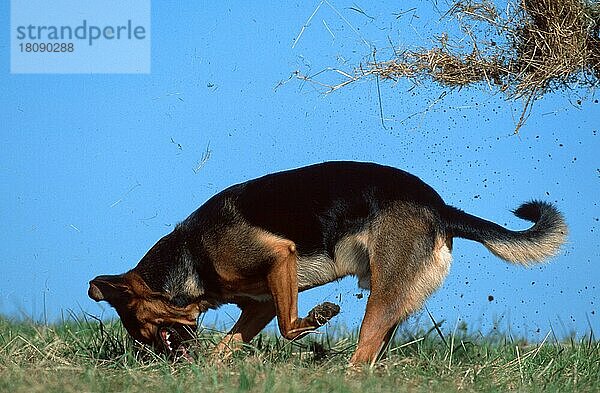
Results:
<point x="444" y="67"/>
<point x="530" y="48"/>
<point x="557" y="45"/>
<point x="549" y="44"/>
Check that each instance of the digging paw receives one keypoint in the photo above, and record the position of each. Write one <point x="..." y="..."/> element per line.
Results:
<point x="323" y="313"/>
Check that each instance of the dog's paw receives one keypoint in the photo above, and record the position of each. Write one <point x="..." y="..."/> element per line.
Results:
<point x="323" y="313"/>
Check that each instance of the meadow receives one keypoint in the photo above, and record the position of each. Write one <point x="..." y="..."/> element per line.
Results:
<point x="87" y="355"/>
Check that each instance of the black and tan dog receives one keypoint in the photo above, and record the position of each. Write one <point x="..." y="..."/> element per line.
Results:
<point x="257" y="244"/>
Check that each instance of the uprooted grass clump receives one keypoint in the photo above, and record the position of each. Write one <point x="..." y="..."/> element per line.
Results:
<point x="547" y="44"/>
<point x="83" y="355"/>
<point x="528" y="49"/>
<point x="557" y="45"/>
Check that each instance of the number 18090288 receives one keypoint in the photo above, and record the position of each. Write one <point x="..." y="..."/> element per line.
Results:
<point x="50" y="47"/>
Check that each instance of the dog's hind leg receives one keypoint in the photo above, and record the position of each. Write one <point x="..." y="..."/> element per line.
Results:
<point x="254" y="317"/>
<point x="282" y="280"/>
<point x="409" y="259"/>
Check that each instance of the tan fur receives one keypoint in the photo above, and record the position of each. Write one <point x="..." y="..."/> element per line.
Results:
<point x="191" y="286"/>
<point x="350" y="258"/>
<point x="524" y="252"/>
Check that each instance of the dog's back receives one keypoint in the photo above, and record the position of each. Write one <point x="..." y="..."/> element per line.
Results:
<point x="318" y="205"/>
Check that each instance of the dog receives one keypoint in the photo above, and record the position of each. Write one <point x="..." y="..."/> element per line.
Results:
<point x="257" y="244"/>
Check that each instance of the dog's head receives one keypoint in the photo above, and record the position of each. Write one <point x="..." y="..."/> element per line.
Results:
<point x="147" y="316"/>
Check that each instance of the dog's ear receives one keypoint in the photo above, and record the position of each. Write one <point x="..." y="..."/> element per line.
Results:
<point x="109" y="288"/>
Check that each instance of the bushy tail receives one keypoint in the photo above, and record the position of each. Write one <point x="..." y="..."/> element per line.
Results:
<point x="535" y="244"/>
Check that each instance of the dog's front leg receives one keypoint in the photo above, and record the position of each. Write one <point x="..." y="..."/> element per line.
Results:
<point x="255" y="316"/>
<point x="283" y="284"/>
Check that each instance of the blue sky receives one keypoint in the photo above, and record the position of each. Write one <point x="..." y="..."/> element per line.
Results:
<point x="95" y="168"/>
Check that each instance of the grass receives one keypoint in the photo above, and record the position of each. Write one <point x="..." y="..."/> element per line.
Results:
<point x="84" y="355"/>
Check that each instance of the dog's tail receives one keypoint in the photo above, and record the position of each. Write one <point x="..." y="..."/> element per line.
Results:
<point x="535" y="244"/>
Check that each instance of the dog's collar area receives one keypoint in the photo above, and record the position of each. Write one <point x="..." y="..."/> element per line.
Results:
<point x="181" y="300"/>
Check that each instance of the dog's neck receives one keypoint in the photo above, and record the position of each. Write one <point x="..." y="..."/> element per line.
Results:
<point x="170" y="268"/>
